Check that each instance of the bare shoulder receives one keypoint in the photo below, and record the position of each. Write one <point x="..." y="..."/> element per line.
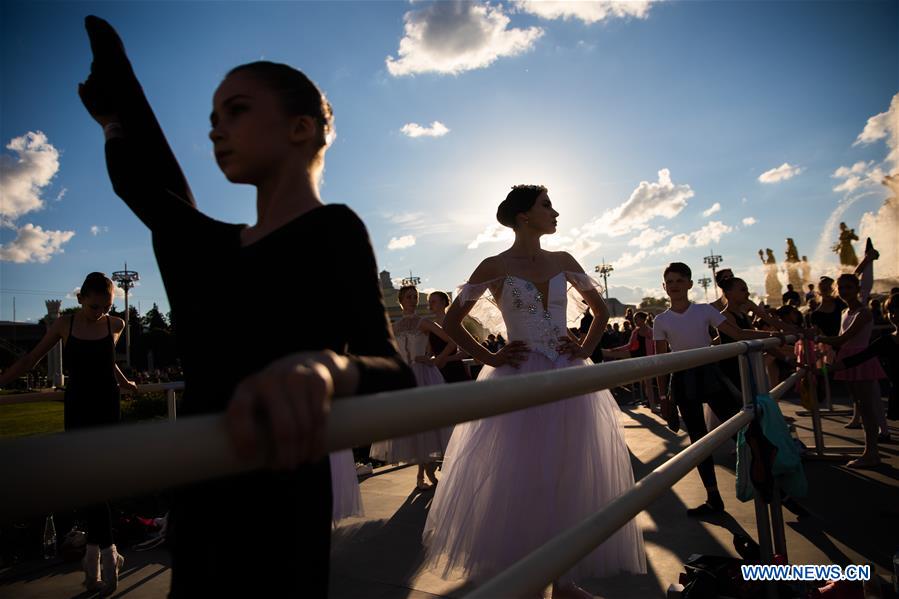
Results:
<point x="118" y="325"/>
<point x="567" y="261"/>
<point x="489" y="269"/>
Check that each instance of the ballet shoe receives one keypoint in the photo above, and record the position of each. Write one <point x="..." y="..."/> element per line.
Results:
<point x="112" y="563"/>
<point x="853" y="425"/>
<point x="870" y="251"/>
<point x="421" y="485"/>
<point x="91" y="565"/>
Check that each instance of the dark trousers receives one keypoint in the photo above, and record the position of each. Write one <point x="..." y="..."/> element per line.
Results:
<point x="98" y="519"/>
<point x="265" y="534"/>
<point x="690" y="389"/>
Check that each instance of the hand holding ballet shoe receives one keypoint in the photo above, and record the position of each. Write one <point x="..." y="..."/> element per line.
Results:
<point x="287" y="406"/>
<point x="870" y="251"/>
<point x="111" y="82"/>
<point x="513" y="354"/>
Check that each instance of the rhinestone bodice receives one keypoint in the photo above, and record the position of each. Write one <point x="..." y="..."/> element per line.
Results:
<point x="409" y="339"/>
<point x="522" y="306"/>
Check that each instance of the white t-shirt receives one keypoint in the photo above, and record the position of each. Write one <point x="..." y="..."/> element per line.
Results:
<point x="687" y="330"/>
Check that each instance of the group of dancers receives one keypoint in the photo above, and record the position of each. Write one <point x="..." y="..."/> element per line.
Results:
<point x="508" y="483"/>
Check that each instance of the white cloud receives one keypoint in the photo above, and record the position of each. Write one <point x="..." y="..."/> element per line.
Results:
<point x="716" y="207"/>
<point x="629" y="259"/>
<point x="881" y="227"/>
<point x="588" y="12"/>
<point x="23" y="177"/>
<point x="493" y="233"/>
<point x="646" y="202"/>
<point x="781" y="173"/>
<point x="866" y="174"/>
<point x="856" y="169"/>
<point x="437" y="129"/>
<point x="455" y="36"/>
<point x="97" y="229"/>
<point x="577" y="245"/>
<point x="401" y="243"/>
<point x="33" y="244"/>
<point x="61" y="194"/>
<point x="861" y="174"/>
<point x="649" y="237"/>
<point x="709" y="233"/>
<point x="117" y="292"/>
<point x="749" y="221"/>
<point x="405" y="218"/>
<point x="883" y="126"/>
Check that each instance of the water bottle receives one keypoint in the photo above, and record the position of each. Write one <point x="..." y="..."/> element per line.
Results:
<point x="49" y="538"/>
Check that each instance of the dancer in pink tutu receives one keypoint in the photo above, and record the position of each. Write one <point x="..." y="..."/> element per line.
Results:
<point x="412" y="333"/>
<point x="855" y="336"/>
<point x="512" y="482"/>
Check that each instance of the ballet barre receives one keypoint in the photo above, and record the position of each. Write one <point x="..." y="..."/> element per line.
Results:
<point x="532" y="574"/>
<point x="44" y="474"/>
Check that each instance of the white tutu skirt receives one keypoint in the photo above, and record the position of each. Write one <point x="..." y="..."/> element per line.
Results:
<point x="512" y="482"/>
<point x="420" y="448"/>
<point x="347" y="498"/>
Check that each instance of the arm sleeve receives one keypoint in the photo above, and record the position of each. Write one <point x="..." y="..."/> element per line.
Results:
<point x="158" y="207"/>
<point x="658" y="330"/>
<point x="582" y="281"/>
<point x="715" y="317"/>
<point x="370" y="346"/>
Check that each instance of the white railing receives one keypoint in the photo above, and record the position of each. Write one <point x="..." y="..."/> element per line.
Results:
<point x="192" y="449"/>
<point x="43" y="474"/>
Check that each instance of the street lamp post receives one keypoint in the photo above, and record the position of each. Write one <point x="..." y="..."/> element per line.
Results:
<point x="704" y="282"/>
<point x="712" y="260"/>
<point x="126" y="280"/>
<point x="604" y="269"/>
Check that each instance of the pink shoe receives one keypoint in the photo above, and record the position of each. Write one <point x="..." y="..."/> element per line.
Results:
<point x="111" y="562"/>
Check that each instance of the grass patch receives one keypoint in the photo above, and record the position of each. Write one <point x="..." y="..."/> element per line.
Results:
<point x="46" y="417"/>
<point x="36" y="418"/>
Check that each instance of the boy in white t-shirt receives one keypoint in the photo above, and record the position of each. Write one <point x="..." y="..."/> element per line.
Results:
<point x="683" y="326"/>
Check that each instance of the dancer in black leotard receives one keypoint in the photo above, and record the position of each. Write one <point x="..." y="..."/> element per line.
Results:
<point x="265" y="533"/>
<point x="91" y="399"/>
<point x="447" y="356"/>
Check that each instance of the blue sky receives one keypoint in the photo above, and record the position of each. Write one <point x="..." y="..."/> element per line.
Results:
<point x="639" y="117"/>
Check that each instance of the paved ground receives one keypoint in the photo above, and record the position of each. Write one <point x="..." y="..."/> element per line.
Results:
<point x="854" y="519"/>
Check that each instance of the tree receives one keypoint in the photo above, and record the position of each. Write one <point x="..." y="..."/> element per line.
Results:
<point x="654" y="302"/>
<point x="154" y="319"/>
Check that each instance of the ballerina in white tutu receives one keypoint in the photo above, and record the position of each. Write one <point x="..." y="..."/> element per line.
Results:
<point x="512" y="482"/>
<point x="411" y="333"/>
<point x="345" y="493"/>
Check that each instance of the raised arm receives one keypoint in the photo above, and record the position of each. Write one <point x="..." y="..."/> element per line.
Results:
<point x="144" y="170"/>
